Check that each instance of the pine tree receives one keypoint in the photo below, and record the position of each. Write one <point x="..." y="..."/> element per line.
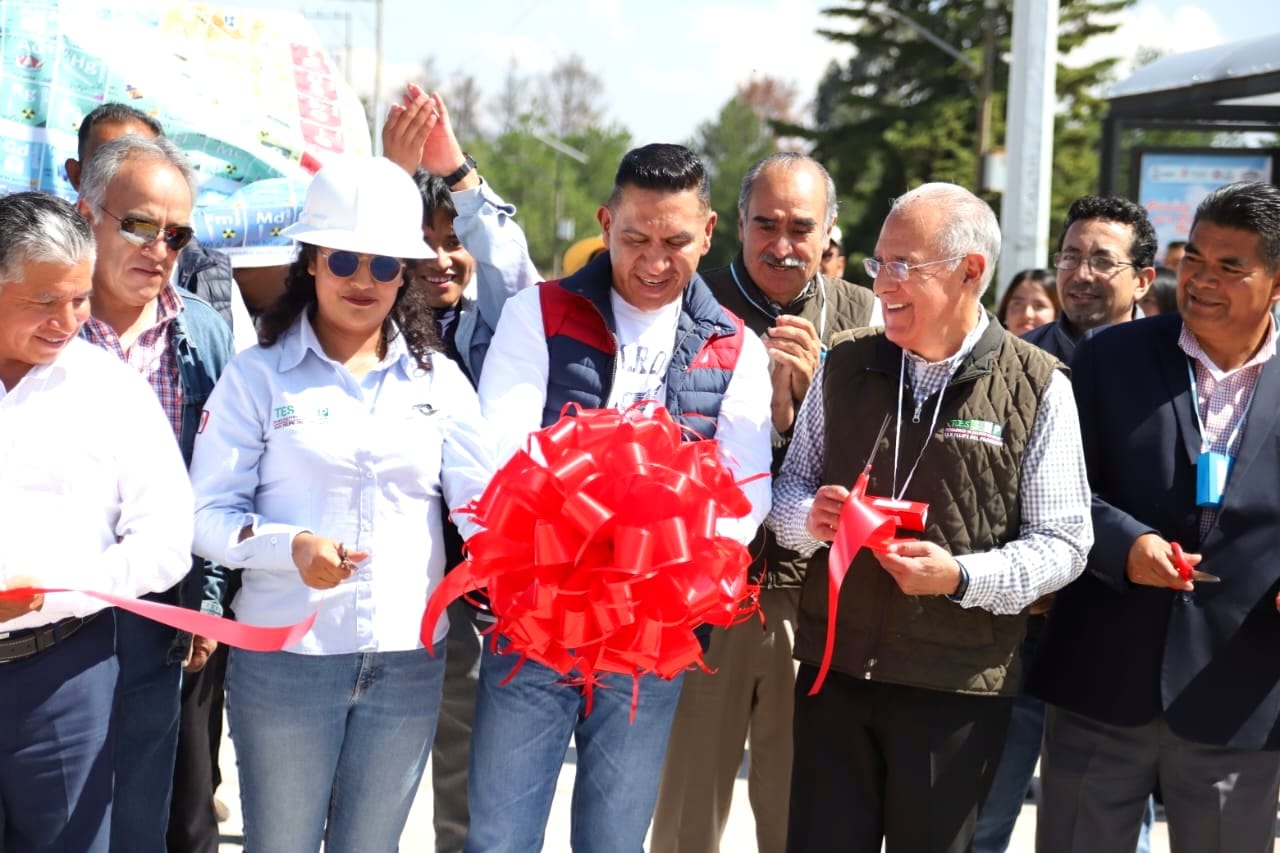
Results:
<point x="902" y="111"/>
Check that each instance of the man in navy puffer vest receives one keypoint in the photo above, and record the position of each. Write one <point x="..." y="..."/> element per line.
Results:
<point x="636" y="325"/>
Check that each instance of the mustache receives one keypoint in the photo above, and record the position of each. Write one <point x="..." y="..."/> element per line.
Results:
<point x="789" y="262"/>
<point x="1084" y="290"/>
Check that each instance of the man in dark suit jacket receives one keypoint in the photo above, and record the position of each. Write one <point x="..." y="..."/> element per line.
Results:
<point x="1153" y="678"/>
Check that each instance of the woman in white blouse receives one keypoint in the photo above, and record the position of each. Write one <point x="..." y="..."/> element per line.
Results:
<point x="321" y="468"/>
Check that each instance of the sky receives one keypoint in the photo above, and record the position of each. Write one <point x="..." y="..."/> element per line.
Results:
<point x="669" y="65"/>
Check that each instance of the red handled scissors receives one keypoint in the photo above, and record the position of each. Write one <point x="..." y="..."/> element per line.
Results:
<point x="1184" y="568"/>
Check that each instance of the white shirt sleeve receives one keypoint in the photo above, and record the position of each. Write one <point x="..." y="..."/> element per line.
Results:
<point x="743" y="431"/>
<point x="224" y="474"/>
<point x="154" y="530"/>
<point x="468" y="454"/>
<point x="1056" y="530"/>
<point x="513" y="387"/>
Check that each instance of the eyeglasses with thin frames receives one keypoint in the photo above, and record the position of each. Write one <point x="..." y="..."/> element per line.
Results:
<point x="900" y="270"/>
<point x="1103" y="265"/>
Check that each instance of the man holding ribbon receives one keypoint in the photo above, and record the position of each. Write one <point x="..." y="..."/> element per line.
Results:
<point x="1154" y="673"/>
<point x="94" y="496"/>
<point x="635" y="326"/>
<point x="909" y="654"/>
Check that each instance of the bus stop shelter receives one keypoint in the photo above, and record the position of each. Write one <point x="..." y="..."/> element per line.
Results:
<point x="1233" y="87"/>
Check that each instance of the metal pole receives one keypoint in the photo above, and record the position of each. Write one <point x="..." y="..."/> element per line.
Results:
<point x="984" y="102"/>
<point x="1024" y="219"/>
<point x="378" y="108"/>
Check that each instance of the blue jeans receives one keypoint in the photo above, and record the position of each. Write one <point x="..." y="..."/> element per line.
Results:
<point x="147" y="711"/>
<point x="518" y="745"/>
<point x="331" y="747"/>
<point x="56" y="743"/>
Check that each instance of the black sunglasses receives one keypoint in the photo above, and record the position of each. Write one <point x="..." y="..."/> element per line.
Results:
<point x="141" y="232"/>
<point x="344" y="264"/>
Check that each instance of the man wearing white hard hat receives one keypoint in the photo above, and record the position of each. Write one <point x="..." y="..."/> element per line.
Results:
<point x="322" y="468"/>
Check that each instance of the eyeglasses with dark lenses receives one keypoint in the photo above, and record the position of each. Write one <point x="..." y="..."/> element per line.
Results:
<point x="142" y="232"/>
<point x="344" y="264"/>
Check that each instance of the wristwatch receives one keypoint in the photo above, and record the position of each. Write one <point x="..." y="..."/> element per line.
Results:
<point x="958" y="595"/>
<point x="468" y="166"/>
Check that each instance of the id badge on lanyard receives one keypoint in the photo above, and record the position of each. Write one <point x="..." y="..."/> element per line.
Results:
<point x="1212" y="468"/>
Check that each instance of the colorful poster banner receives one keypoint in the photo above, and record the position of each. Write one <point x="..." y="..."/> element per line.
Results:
<point x="1172" y="183"/>
<point x="250" y="94"/>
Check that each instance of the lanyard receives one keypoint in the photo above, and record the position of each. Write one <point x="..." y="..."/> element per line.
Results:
<point x="1205" y="444"/>
<point x="897" y="431"/>
<point x="822" y="318"/>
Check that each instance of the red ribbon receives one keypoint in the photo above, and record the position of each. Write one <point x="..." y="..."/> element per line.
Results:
<point x="606" y="558"/>
<point x="254" y="638"/>
<point x="861" y="525"/>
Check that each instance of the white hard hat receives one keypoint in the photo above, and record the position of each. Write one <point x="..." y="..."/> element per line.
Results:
<point x="363" y="204"/>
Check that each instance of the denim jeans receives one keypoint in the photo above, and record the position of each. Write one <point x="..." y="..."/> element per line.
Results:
<point x="331" y="747"/>
<point x="518" y="745"/>
<point x="148" y="706"/>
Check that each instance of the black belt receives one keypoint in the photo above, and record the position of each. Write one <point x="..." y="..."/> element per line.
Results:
<point x="24" y="644"/>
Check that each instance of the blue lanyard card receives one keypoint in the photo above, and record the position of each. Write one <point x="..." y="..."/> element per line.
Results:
<point x="1212" y="470"/>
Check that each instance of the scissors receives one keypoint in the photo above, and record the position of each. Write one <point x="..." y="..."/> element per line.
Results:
<point x="1184" y="568"/>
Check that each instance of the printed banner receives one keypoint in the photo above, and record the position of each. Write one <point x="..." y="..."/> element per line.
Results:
<point x="250" y="95"/>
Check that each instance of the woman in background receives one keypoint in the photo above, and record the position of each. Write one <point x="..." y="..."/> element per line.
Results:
<point x="1030" y="301"/>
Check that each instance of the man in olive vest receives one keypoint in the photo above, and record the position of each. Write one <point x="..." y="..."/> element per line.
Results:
<point x="902" y="739"/>
<point x="785" y="213"/>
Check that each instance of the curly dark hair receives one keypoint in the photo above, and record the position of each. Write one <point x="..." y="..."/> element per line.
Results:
<point x="1142" y="250"/>
<point x="410" y="313"/>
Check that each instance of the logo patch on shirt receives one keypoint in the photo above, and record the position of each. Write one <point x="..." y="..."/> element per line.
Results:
<point x="288" y="416"/>
<point x="983" y="431"/>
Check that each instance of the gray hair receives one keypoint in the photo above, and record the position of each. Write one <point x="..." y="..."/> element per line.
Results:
<point x="111" y="157"/>
<point x="788" y="159"/>
<point x="40" y="228"/>
<point x="969" y="226"/>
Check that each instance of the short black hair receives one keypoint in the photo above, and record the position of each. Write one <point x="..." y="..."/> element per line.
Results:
<point x="664" y="167"/>
<point x="435" y="195"/>
<point x="114" y="112"/>
<point x="1246" y="206"/>
<point x="1175" y="244"/>
<point x="1142" y="251"/>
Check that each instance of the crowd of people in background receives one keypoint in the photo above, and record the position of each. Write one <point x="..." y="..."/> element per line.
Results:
<point x="1091" y="587"/>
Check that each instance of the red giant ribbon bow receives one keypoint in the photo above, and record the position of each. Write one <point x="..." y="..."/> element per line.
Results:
<point x="865" y="522"/>
<point x="606" y="558"/>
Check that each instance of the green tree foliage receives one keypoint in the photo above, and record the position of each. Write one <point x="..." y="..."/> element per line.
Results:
<point x="902" y="111"/>
<point x="523" y="169"/>
<point x="729" y="146"/>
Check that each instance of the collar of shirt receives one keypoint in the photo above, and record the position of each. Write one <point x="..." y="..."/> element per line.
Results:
<point x="752" y="291"/>
<point x="1189" y="344"/>
<point x="930" y="376"/>
<point x="301" y="338"/>
<point x="168" y="306"/>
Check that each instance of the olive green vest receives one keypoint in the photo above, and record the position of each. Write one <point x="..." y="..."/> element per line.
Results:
<point x="846" y="306"/>
<point x="969" y="475"/>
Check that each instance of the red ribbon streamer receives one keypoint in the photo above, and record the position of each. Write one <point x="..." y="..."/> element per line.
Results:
<point x="860" y="526"/>
<point x="254" y="638"/>
<point x="606" y="558"/>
